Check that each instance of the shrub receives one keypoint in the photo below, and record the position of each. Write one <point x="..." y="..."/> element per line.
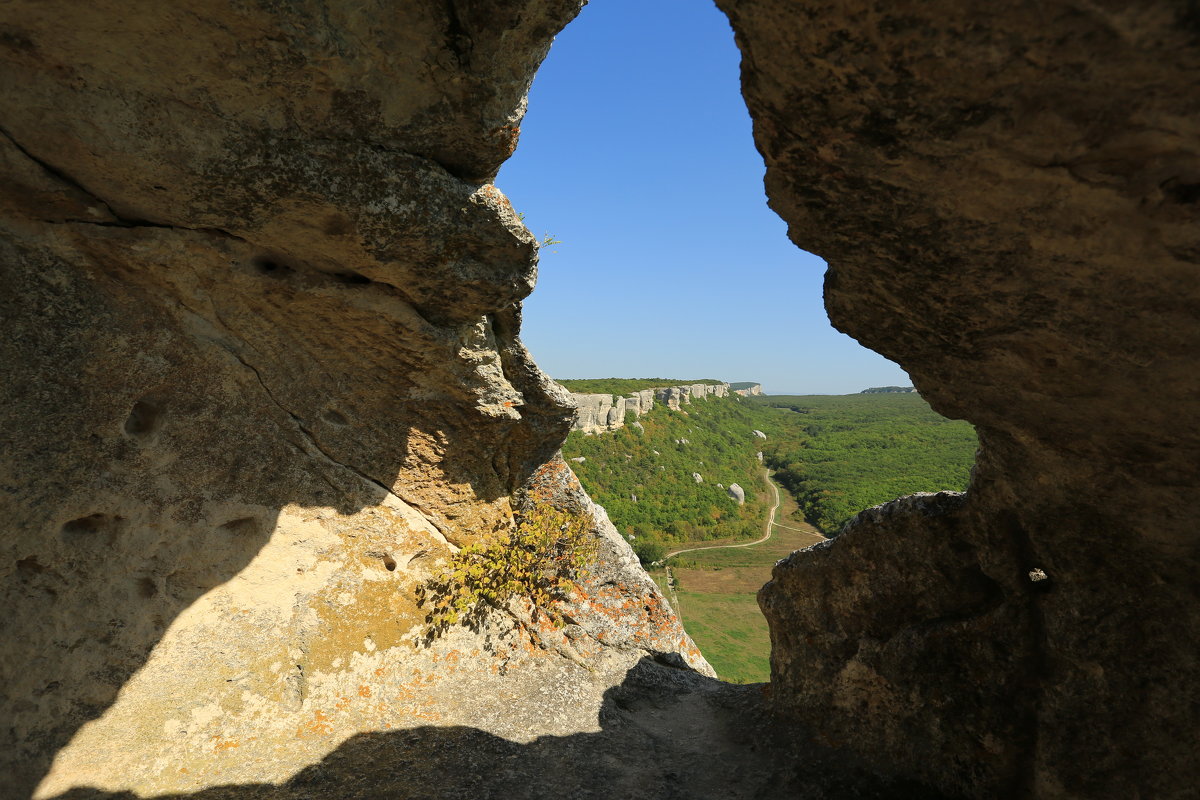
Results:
<point x="648" y="552"/>
<point x="539" y="561"/>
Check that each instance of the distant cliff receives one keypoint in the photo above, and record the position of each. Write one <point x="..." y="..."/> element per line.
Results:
<point x="746" y="388"/>
<point x="596" y="413"/>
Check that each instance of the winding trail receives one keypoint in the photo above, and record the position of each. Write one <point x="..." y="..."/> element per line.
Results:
<point x="770" y="523"/>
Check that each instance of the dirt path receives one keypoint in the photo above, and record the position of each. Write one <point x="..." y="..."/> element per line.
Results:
<point x="770" y="523"/>
<point x="766" y="528"/>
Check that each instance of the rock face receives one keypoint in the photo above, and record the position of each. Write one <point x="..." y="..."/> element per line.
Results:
<point x="597" y="413"/>
<point x="671" y="397"/>
<point x="1008" y="196"/>
<point x="737" y="493"/>
<point x="262" y="375"/>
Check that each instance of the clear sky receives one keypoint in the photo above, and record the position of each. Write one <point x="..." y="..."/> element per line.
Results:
<point x="637" y="153"/>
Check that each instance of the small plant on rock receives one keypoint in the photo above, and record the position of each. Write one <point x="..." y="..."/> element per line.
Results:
<point x="539" y="562"/>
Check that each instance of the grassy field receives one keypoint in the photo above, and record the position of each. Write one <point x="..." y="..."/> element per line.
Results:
<point x="716" y="592"/>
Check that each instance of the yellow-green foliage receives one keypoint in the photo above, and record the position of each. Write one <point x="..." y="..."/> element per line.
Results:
<point x="539" y="561"/>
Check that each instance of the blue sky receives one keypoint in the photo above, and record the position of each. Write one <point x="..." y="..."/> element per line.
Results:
<point x="637" y="153"/>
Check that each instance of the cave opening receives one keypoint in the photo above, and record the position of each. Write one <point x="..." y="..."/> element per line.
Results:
<point x="664" y="258"/>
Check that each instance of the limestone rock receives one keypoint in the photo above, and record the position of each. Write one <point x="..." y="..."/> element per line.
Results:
<point x="994" y="176"/>
<point x="760" y="434"/>
<point x="697" y="477"/>
<point x="737" y="493"/>
<point x="670" y="396"/>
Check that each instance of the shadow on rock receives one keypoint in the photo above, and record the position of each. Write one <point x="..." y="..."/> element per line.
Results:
<point x="665" y="733"/>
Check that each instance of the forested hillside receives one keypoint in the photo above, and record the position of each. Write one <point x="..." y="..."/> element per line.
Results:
<point x="840" y="454"/>
<point x="655" y="464"/>
<point x="835" y="454"/>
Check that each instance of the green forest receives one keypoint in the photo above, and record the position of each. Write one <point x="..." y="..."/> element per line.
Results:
<point x="712" y="437"/>
<point x="841" y="454"/>
<point x="623" y="386"/>
<point x="836" y="455"/>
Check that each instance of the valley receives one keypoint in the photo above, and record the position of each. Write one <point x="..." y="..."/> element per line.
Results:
<point x="824" y="458"/>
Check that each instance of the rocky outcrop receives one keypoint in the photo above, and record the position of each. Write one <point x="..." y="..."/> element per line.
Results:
<point x="737" y="493"/>
<point x="262" y="375"/>
<point x="1006" y="195"/>
<point x="672" y="397"/>
<point x="597" y="413"/>
<point x="748" y="391"/>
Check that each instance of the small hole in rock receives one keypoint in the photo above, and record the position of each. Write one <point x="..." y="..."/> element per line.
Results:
<point x="91" y="526"/>
<point x="270" y="266"/>
<point x="1184" y="193"/>
<point x="147" y="587"/>
<point x="243" y="526"/>
<point x="29" y="566"/>
<point x="351" y="277"/>
<point x="390" y="563"/>
<point x="143" y="419"/>
<point x="334" y="418"/>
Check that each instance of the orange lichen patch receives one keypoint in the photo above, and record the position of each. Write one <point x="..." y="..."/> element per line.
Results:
<point x="379" y="672"/>
<point x="382" y="611"/>
<point x="221" y="743"/>
<point x="552" y="480"/>
<point x="342" y="704"/>
<point x="364" y="690"/>
<point x="317" y="726"/>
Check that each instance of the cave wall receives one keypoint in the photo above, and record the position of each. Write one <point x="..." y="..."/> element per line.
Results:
<point x="261" y="374"/>
<point x="1008" y="196"/>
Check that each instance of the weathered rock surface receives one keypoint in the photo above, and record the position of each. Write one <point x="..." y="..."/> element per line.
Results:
<point x="261" y="375"/>
<point x="737" y="493"/>
<point x="669" y="397"/>
<point x="1007" y="196"/>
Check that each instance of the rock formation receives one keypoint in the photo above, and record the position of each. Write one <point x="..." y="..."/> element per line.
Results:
<point x="748" y="391"/>
<point x="597" y="413"/>
<point x="737" y="493"/>
<point x="261" y="376"/>
<point x="1008" y="197"/>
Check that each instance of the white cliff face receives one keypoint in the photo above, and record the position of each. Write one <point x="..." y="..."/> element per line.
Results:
<point x="749" y="391"/>
<point x="596" y="413"/>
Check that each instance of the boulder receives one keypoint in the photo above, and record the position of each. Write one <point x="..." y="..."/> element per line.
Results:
<point x="737" y="493"/>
